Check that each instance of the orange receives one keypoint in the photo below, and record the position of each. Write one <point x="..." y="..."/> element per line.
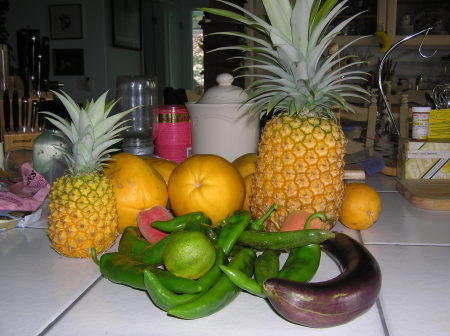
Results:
<point x="361" y="206"/>
<point x="189" y="254"/>
<point x="246" y="164"/>
<point x="162" y="166"/>
<point x="207" y="183"/>
<point x="136" y="185"/>
<point x="248" y="190"/>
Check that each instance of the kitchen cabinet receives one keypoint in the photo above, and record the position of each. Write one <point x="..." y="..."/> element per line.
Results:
<point x="408" y="16"/>
<point x="398" y="18"/>
<point x="371" y="19"/>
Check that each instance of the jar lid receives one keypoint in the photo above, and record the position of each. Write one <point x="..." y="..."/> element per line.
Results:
<point x="224" y="93"/>
<point x="421" y="109"/>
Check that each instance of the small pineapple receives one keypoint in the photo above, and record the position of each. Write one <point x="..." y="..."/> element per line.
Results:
<point x="82" y="208"/>
<point x="300" y="162"/>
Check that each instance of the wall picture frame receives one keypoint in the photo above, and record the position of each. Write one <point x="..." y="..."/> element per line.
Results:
<point x="66" y="21"/>
<point x="68" y="62"/>
<point x="126" y="24"/>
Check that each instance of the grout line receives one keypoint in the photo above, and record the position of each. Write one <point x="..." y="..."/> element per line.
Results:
<point x="408" y="244"/>
<point x="360" y="237"/>
<point x="69" y="307"/>
<point x="383" y="320"/>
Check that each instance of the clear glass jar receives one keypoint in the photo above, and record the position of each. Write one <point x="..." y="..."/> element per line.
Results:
<point x="140" y="92"/>
<point x="48" y="157"/>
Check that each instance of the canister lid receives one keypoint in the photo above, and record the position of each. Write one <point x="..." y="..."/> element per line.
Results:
<point x="224" y="93"/>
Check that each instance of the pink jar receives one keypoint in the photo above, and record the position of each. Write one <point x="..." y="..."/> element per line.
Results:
<point x="173" y="133"/>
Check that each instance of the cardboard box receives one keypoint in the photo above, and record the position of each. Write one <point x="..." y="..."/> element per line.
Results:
<point x="424" y="160"/>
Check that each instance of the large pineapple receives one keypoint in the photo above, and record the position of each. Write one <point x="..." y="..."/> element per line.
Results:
<point x="300" y="162"/>
<point x="82" y="208"/>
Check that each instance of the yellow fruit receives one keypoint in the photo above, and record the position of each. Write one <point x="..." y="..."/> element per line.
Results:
<point x="361" y="206"/>
<point x="248" y="190"/>
<point x="136" y="185"/>
<point x="246" y="164"/>
<point x="189" y="254"/>
<point x="207" y="183"/>
<point x="162" y="166"/>
<point x="82" y="214"/>
<point x="300" y="167"/>
<point x="386" y="41"/>
<point x="82" y="208"/>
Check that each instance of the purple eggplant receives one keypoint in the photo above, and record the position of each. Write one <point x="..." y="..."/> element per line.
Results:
<point x="335" y="301"/>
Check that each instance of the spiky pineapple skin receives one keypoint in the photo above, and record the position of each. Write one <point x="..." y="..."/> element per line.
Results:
<point x="300" y="166"/>
<point x="82" y="214"/>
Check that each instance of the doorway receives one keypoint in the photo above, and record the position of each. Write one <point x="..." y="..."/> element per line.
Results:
<point x="168" y="28"/>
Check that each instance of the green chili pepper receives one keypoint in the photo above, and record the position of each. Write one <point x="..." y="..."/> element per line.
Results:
<point x="301" y="265"/>
<point x="126" y="271"/>
<point x="258" y="225"/>
<point x="162" y="297"/>
<point x="283" y="240"/>
<point x="267" y="265"/>
<point x="212" y="235"/>
<point x="211" y="277"/>
<point x="191" y="221"/>
<point x="236" y="224"/>
<point x="166" y="299"/>
<point x="243" y="281"/>
<point x="221" y="294"/>
<point x="133" y="245"/>
<point x="303" y="262"/>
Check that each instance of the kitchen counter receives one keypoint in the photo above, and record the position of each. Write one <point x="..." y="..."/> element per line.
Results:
<point x="43" y="293"/>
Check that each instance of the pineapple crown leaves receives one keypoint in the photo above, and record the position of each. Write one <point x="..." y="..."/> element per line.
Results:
<point x="91" y="131"/>
<point x="297" y="76"/>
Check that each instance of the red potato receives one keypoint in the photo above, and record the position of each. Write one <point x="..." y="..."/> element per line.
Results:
<point x="297" y="220"/>
<point x="146" y="217"/>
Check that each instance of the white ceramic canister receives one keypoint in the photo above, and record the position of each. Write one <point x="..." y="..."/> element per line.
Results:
<point x="221" y="124"/>
<point x="420" y="122"/>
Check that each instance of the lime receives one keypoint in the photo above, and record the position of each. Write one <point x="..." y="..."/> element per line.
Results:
<point x="189" y="254"/>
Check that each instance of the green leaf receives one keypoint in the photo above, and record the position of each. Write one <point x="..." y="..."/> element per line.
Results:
<point x="275" y="100"/>
<point x="300" y="25"/>
<point x="72" y="107"/>
<point x="322" y="12"/>
<point x="279" y="13"/>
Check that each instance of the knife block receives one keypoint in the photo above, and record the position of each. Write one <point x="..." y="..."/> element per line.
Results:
<point x="18" y="139"/>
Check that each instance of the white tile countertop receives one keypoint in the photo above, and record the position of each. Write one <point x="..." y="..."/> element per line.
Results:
<point x="43" y="293"/>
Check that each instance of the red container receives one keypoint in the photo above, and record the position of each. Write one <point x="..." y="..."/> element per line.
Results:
<point x="173" y="133"/>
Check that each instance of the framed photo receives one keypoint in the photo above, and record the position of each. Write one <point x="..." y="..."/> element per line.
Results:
<point x="126" y="24"/>
<point x="68" y="62"/>
<point x="65" y="21"/>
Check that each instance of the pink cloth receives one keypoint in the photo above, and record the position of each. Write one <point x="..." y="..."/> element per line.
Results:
<point x="26" y="195"/>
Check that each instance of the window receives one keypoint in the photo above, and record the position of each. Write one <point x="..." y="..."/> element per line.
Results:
<point x="197" y="52"/>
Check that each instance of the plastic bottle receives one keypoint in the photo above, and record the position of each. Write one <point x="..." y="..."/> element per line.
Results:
<point x="420" y="122"/>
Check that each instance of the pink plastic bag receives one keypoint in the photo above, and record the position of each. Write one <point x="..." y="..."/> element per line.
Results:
<point x="27" y="195"/>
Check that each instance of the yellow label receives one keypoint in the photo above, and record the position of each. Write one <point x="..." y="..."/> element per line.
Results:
<point x="439" y="124"/>
<point x="427" y="169"/>
<point x="424" y="160"/>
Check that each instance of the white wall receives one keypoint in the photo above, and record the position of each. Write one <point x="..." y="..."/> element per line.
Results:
<point x="103" y="62"/>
